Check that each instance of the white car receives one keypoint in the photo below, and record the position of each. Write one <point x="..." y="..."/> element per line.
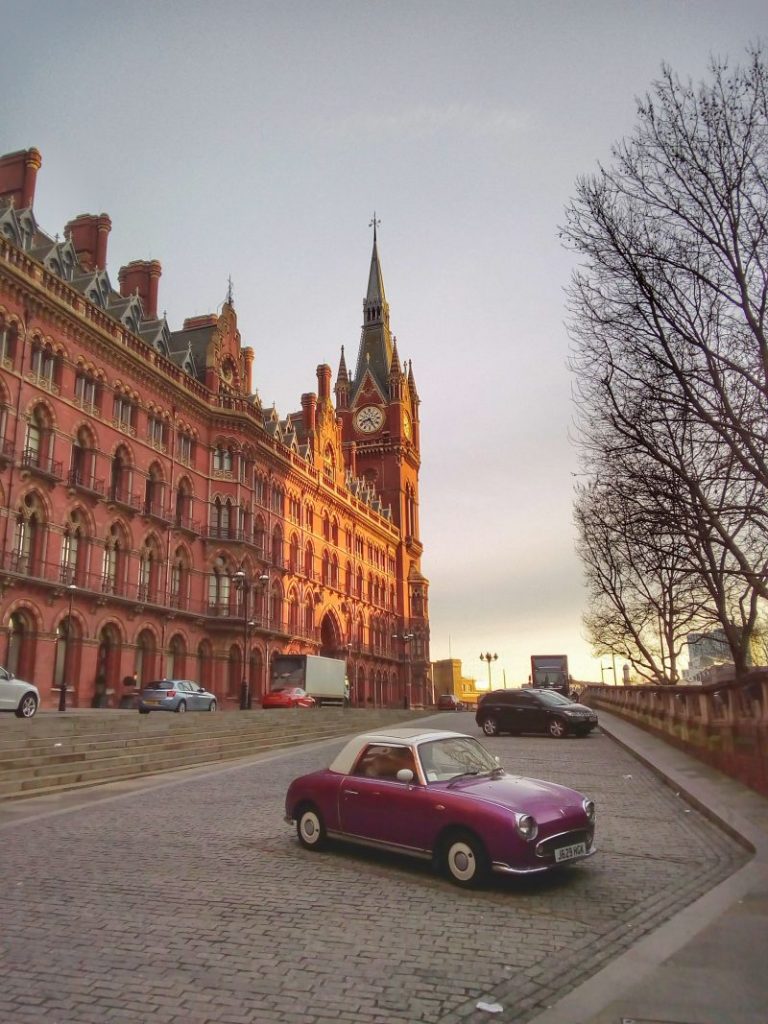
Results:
<point x="18" y="696"/>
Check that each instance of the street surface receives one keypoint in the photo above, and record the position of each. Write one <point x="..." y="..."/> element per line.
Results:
<point x="191" y="902"/>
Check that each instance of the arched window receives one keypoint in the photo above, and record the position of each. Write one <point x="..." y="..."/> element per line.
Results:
<point x="259" y="534"/>
<point x="146" y="655"/>
<point x="179" y="582"/>
<point x="83" y="460"/>
<point x="276" y="608"/>
<point x="309" y="617"/>
<point x="149" y="559"/>
<point x="222" y="459"/>
<point x="37" y="439"/>
<point x="219" y="588"/>
<point x="277" y="546"/>
<point x="120" y="484"/>
<point x="177" y="658"/>
<point x="335" y="572"/>
<point x="326" y="569"/>
<point x="293" y="613"/>
<point x="205" y="664"/>
<point x="294" y="553"/>
<point x="113" y="565"/>
<point x="184" y="504"/>
<point x="153" y="492"/>
<point x="309" y="561"/>
<point x="72" y="549"/>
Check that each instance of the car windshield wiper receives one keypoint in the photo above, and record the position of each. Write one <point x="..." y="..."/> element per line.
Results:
<point x="463" y="775"/>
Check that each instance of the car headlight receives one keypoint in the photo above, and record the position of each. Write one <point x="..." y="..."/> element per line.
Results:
<point x="526" y="826"/>
<point x="589" y="809"/>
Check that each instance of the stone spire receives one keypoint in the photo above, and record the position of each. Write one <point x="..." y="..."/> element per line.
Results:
<point x="375" y="354"/>
<point x="341" y="387"/>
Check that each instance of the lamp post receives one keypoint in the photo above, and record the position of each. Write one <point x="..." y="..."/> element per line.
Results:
<point x="67" y="656"/>
<point x="489" y="658"/>
<point x="242" y="584"/>
<point x="406" y="638"/>
<point x="263" y="581"/>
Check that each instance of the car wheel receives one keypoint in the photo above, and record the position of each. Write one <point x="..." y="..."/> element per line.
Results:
<point x="310" y="828"/>
<point x="212" y="706"/>
<point x="557" y="728"/>
<point x="490" y="726"/>
<point x="465" y="860"/>
<point x="143" y="711"/>
<point x="27" y="706"/>
<point x="181" y="708"/>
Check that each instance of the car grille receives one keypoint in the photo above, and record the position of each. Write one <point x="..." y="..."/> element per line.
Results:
<point x="547" y="847"/>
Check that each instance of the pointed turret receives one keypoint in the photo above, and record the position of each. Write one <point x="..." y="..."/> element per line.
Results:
<point x="412" y="384"/>
<point x="396" y="376"/>
<point x="341" y="388"/>
<point x="375" y="354"/>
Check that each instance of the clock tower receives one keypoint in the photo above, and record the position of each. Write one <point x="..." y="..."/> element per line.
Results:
<point x="379" y="409"/>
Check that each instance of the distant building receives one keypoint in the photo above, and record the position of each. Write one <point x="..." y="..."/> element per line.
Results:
<point x="156" y="519"/>
<point x="447" y="678"/>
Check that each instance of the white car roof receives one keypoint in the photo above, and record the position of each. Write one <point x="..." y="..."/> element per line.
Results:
<point x="347" y="756"/>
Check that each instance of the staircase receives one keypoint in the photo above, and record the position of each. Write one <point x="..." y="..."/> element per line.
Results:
<point x="51" y="753"/>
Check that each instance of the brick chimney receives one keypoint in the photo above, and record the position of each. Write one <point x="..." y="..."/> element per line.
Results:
<point x="89" y="233"/>
<point x="309" y="406"/>
<point x="247" y="356"/>
<point x="142" y="276"/>
<point x="18" y="175"/>
<point x="323" y="383"/>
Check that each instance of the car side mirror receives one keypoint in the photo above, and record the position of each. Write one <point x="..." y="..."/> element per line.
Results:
<point x="497" y="759"/>
<point x="404" y="775"/>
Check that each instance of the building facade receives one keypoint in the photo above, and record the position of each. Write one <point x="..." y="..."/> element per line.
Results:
<point x="448" y="677"/>
<point x="157" y="520"/>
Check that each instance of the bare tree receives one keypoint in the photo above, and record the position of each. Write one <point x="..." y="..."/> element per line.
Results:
<point x="671" y="353"/>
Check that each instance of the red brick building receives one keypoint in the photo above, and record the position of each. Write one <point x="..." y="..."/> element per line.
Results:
<point x="157" y="520"/>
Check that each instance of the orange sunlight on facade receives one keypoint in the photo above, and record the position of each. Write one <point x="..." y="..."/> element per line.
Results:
<point x="158" y="521"/>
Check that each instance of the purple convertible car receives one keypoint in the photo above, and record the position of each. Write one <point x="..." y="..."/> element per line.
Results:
<point x="441" y="796"/>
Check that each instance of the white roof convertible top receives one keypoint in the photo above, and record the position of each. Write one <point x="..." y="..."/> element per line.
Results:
<point x="346" y="757"/>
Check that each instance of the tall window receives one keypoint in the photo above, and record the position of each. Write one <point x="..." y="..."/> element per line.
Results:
<point x="86" y="391"/>
<point x="123" y="412"/>
<point x="219" y="588"/>
<point x="222" y="460"/>
<point x="71" y="548"/>
<point x="44" y="363"/>
<point x="185" y="449"/>
<point x="7" y="345"/>
<point x="156" y="432"/>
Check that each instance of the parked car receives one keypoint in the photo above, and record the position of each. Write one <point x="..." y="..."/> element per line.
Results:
<point x="288" y="697"/>
<point x="441" y="796"/>
<point x="533" y="710"/>
<point x="17" y="695"/>
<point x="449" y="702"/>
<point x="178" y="695"/>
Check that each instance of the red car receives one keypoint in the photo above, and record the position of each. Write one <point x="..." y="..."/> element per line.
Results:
<point x="290" y="697"/>
<point x="441" y="796"/>
<point x="449" y="702"/>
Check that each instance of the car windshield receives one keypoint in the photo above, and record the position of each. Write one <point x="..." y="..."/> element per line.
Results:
<point x="453" y="756"/>
<point x="550" y="697"/>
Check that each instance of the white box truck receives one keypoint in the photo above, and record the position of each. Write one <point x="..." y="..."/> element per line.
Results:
<point x="325" y="679"/>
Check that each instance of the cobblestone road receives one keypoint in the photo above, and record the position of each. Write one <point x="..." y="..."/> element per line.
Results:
<point x="192" y="903"/>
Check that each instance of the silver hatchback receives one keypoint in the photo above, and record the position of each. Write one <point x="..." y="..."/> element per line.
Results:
<point x="178" y="695"/>
<point x="18" y="696"/>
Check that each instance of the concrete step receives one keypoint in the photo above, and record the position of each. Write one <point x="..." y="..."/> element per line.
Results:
<point x="92" y="758"/>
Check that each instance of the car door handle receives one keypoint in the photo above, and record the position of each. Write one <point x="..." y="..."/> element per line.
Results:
<point x="351" y="792"/>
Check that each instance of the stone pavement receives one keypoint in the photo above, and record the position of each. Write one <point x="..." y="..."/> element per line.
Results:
<point x="707" y="964"/>
<point x="189" y="901"/>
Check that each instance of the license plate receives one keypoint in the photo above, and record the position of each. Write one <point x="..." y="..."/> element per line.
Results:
<point x="151" y="701"/>
<point x="569" y="852"/>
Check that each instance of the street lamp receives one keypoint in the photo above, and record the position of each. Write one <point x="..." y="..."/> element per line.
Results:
<point x="241" y="583"/>
<point x="489" y="658"/>
<point x="67" y="656"/>
<point x="406" y="638"/>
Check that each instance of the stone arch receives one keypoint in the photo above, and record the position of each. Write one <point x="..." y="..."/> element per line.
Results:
<point x="331" y="635"/>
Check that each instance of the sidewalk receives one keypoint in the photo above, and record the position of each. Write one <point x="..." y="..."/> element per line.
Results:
<point x="707" y="965"/>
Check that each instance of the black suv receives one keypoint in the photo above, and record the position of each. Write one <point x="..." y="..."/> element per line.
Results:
<point x="533" y="710"/>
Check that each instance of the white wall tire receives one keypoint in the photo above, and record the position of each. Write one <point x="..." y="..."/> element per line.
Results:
<point x="310" y="828"/>
<point x="465" y="860"/>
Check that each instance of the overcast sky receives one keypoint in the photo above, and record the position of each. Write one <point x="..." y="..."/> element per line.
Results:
<point x="256" y="139"/>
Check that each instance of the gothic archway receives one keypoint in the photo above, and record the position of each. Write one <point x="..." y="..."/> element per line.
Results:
<point x="331" y="643"/>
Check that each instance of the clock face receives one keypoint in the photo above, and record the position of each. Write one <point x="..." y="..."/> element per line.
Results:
<point x="369" y="419"/>
<point x="407" y="426"/>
